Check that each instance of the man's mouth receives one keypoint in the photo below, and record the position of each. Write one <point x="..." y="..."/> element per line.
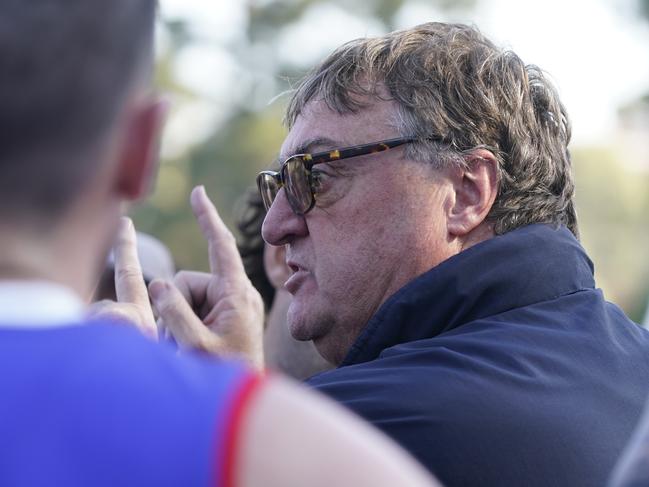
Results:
<point x="298" y="275"/>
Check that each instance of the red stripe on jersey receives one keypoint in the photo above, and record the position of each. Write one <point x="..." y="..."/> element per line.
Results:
<point x="232" y="443"/>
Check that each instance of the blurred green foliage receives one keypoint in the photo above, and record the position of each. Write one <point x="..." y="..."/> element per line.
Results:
<point x="612" y="205"/>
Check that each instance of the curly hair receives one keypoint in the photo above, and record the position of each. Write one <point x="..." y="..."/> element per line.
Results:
<point x="451" y="82"/>
<point x="250" y="213"/>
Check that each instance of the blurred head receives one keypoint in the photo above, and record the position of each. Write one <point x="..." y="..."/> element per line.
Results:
<point x="78" y="122"/>
<point x="489" y="155"/>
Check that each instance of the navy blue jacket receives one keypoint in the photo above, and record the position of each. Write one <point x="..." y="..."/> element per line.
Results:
<point x="502" y="366"/>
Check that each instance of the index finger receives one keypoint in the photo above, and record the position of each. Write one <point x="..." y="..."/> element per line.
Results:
<point x="222" y="248"/>
<point x="129" y="281"/>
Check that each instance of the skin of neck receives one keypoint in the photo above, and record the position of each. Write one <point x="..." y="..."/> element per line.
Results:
<point x="70" y="252"/>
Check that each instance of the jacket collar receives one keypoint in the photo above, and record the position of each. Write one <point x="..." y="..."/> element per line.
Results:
<point x="525" y="266"/>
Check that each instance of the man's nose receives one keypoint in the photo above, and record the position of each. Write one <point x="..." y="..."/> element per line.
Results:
<point x="281" y="225"/>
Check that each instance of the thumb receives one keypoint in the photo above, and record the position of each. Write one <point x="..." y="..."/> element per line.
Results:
<point x="179" y="318"/>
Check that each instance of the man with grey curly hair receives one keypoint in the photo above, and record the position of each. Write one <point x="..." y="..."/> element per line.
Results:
<point x="440" y="266"/>
<point x="425" y="200"/>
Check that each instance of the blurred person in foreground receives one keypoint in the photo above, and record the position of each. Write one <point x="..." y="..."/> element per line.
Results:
<point x="265" y="266"/>
<point x="88" y="402"/>
<point x="426" y="203"/>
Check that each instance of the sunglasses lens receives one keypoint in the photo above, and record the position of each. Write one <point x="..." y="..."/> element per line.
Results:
<point x="268" y="187"/>
<point x="296" y="182"/>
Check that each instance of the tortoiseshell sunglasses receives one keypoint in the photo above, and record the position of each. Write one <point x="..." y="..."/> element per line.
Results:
<point x="295" y="173"/>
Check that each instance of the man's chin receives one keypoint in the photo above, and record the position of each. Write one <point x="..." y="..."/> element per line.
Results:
<point x="300" y="330"/>
<point x="303" y="323"/>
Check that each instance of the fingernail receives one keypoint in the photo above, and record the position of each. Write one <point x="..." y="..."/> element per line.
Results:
<point x="157" y="288"/>
<point x="196" y="193"/>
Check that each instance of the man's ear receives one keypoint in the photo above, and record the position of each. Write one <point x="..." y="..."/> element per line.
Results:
<point x="476" y="188"/>
<point x="138" y="155"/>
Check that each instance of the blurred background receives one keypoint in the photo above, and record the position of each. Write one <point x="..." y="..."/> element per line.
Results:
<point x="226" y="66"/>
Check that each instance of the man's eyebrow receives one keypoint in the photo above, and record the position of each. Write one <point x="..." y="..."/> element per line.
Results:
<point x="309" y="145"/>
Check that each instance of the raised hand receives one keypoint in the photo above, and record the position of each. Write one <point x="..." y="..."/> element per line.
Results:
<point x="219" y="312"/>
<point x="132" y="297"/>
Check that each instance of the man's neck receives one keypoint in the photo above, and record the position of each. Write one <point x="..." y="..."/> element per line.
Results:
<point x="52" y="257"/>
<point x="481" y="233"/>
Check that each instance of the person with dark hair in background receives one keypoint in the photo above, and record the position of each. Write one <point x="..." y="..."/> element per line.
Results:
<point x="425" y="199"/>
<point x="265" y="266"/>
<point x="87" y="402"/>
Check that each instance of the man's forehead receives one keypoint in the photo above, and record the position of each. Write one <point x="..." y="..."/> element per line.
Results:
<point x="315" y="126"/>
<point x="320" y="128"/>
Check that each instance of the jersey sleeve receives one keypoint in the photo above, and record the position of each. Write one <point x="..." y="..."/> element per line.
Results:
<point x="231" y="424"/>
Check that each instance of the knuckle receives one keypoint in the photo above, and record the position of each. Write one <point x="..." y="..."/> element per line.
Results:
<point x="104" y="303"/>
<point x="225" y="239"/>
<point x="181" y="275"/>
<point x="206" y="343"/>
<point x="125" y="239"/>
<point x="128" y="273"/>
<point x="166" y="309"/>
<point x="229" y="238"/>
<point x="117" y="311"/>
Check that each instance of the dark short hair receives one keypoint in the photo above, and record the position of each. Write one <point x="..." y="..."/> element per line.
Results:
<point x="451" y="82"/>
<point x="250" y="214"/>
<point x="65" y="69"/>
